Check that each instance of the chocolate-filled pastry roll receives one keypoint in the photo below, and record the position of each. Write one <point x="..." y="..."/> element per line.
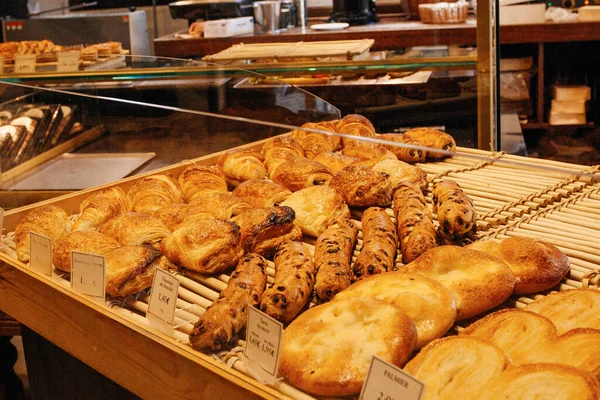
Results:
<point x="432" y="138"/>
<point x="196" y="178"/>
<point x="455" y="211"/>
<point x="130" y="269"/>
<point x="335" y="161"/>
<point x="261" y="193"/>
<point x="152" y="192"/>
<point x="361" y="186"/>
<point x="83" y="241"/>
<point x="174" y="214"/>
<point x="240" y="165"/>
<point x="279" y="149"/>
<point x="378" y="252"/>
<point x="416" y="232"/>
<point x="222" y="205"/>
<point x="405" y="154"/>
<point x="98" y="208"/>
<point x="333" y="252"/>
<point x="135" y="229"/>
<point x="229" y="312"/>
<point x="50" y="221"/>
<point x="301" y="173"/>
<point x="294" y="282"/>
<point x="400" y="172"/>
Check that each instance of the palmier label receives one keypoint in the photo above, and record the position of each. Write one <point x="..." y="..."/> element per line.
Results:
<point x="24" y="64"/>
<point x="40" y="253"/>
<point x="263" y="341"/>
<point x="88" y="274"/>
<point x="163" y="297"/>
<point x="67" y="61"/>
<point x="385" y="381"/>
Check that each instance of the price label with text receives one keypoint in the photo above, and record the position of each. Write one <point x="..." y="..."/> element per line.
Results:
<point x="24" y="64"/>
<point x="163" y="297"/>
<point x="88" y="274"/>
<point x="40" y="253"/>
<point x="68" y="61"/>
<point x="263" y="340"/>
<point x="385" y="381"/>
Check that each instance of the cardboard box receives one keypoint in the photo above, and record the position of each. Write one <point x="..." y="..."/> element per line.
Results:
<point x="589" y="13"/>
<point x="571" y="93"/>
<point x="518" y="14"/>
<point x="228" y="27"/>
<point x="569" y="107"/>
<point x="557" y="118"/>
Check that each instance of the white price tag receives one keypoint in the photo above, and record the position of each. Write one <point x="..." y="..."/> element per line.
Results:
<point x="385" y="381"/>
<point x="163" y="297"/>
<point x="40" y="253"/>
<point x="88" y="274"/>
<point x="24" y="64"/>
<point x="263" y="341"/>
<point x="68" y="61"/>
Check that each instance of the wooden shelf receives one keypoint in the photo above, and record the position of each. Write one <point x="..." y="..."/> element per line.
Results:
<point x="546" y="125"/>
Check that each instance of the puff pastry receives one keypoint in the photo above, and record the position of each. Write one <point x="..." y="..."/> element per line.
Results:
<point x="432" y="138"/>
<point x="355" y="129"/>
<point x="455" y="211"/>
<point x="49" y="220"/>
<point x="355" y="118"/>
<point x="135" y="229"/>
<point x="204" y="244"/>
<point x="301" y="173"/>
<point x="315" y="144"/>
<point x="400" y="171"/>
<point x="100" y="207"/>
<point x="220" y="204"/>
<point x="279" y="149"/>
<point x="84" y="241"/>
<point x="334" y="141"/>
<point x="196" y="178"/>
<point x="335" y="161"/>
<point x="316" y="208"/>
<point x="405" y="154"/>
<point x="361" y="186"/>
<point x="152" y="192"/>
<point x="174" y="214"/>
<point x="130" y="269"/>
<point x="242" y="164"/>
<point x="368" y="154"/>
<point x="261" y="193"/>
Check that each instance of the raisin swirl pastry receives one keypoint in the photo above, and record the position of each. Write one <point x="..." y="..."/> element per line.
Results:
<point x="455" y="211"/>
<point x="405" y="154"/>
<point x="196" y="178"/>
<point x="433" y="138"/>
<point x="228" y="314"/>
<point x="361" y="186"/>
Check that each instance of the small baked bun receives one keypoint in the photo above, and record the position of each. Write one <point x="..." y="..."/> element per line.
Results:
<point x="405" y="154"/>
<point x="84" y="241"/>
<point x="327" y="350"/>
<point x="456" y="367"/>
<point x="478" y="281"/>
<point x="135" y="229"/>
<point x="239" y="165"/>
<point x="400" y="171"/>
<point x="197" y="178"/>
<point x="261" y="193"/>
<point x="316" y="208"/>
<point x="433" y="138"/>
<point x="537" y="266"/>
<point x="335" y="161"/>
<point x="427" y="302"/>
<point x="301" y="173"/>
<point x="361" y="186"/>
<point x="570" y="309"/>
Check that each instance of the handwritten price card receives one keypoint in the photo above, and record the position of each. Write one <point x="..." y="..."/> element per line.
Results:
<point x="68" y="61"/>
<point x="40" y="253"/>
<point x="24" y="64"/>
<point x="88" y="274"/>
<point x="163" y="297"/>
<point x="263" y="340"/>
<point x="388" y="382"/>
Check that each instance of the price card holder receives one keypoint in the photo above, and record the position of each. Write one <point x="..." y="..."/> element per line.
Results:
<point x="24" y="64"/>
<point x="385" y="381"/>
<point x="163" y="298"/>
<point x="40" y="253"/>
<point x="68" y="61"/>
<point x="88" y="274"/>
<point x="263" y="345"/>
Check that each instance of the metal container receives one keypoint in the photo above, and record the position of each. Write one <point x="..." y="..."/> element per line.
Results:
<point x="266" y="16"/>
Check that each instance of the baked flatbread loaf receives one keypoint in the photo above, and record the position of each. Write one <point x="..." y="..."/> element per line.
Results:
<point x="537" y="266"/>
<point x="478" y="281"/>
<point x="84" y="241"/>
<point x="361" y="186"/>
<point x="327" y="350"/>
<point x="135" y="229"/>
<point x="427" y="302"/>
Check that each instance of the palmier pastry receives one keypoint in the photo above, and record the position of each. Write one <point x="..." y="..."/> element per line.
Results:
<point x="316" y="208"/>
<point x="222" y="205"/>
<point x="400" y="172"/>
<point x="478" y="281"/>
<point x="100" y="207"/>
<point x="135" y="229"/>
<point x="455" y="211"/>
<point x="416" y="232"/>
<point x="130" y="269"/>
<point x="537" y="266"/>
<point x="84" y="241"/>
<point x="335" y="161"/>
<point x="263" y="229"/>
<point x="174" y="214"/>
<point x="333" y="253"/>
<point x="378" y="253"/>
<point x="294" y="282"/>
<point x="50" y="221"/>
<point x="406" y="154"/>
<point x="279" y="149"/>
<point x="239" y="165"/>
<point x="197" y="178"/>
<point x="152" y="192"/>
<point x="229" y="312"/>
<point x="361" y="186"/>
<point x="432" y="138"/>
<point x="204" y="244"/>
<point x="426" y="301"/>
<point x="301" y="173"/>
<point x="261" y="193"/>
<point x="327" y="350"/>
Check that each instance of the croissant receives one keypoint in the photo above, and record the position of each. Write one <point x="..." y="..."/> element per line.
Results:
<point x="261" y="193"/>
<point x="315" y="144"/>
<point x="301" y="173"/>
<point x="153" y="192"/>
<point x="369" y="154"/>
<point x="130" y="269"/>
<point x="331" y="126"/>
<point x="400" y="172"/>
<point x="279" y="149"/>
<point x="219" y="204"/>
<point x="356" y="129"/>
<point x="355" y="118"/>
<point x="197" y="178"/>
<point x="455" y="211"/>
<point x="405" y="154"/>
<point x="135" y="229"/>
<point x="50" y="221"/>
<point x="361" y="186"/>
<point x="334" y="140"/>
<point x="100" y="207"/>
<point x="83" y="241"/>
<point x="174" y="214"/>
<point x="242" y="164"/>
<point x="335" y="161"/>
<point x="432" y="138"/>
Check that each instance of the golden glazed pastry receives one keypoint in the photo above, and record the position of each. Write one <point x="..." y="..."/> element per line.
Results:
<point x="333" y="253"/>
<point x="315" y="144"/>
<point x="478" y="281"/>
<point x="264" y="229"/>
<point x="335" y="161"/>
<point x="204" y="244"/>
<point x="327" y="350"/>
<point x="130" y="269"/>
<point x="368" y="154"/>
<point x="456" y="367"/>
<point x="50" y="221"/>
<point x="432" y="138"/>
<point x="196" y="178"/>
<point x="316" y="208"/>
<point x="361" y="186"/>
<point x="261" y="193"/>
<point x="455" y="211"/>
<point x="331" y="126"/>
<point x="355" y="118"/>
<point x="301" y="173"/>
<point x="537" y="266"/>
<point x="406" y="154"/>
<point x="174" y="214"/>
<point x="153" y="192"/>
<point x="222" y="205"/>
<point x="416" y="232"/>
<point x="135" y="229"/>
<point x="328" y="126"/>
<point x="578" y="348"/>
<point x="84" y="241"/>
<point x="400" y="172"/>
<point x="427" y="302"/>
<point x="294" y="282"/>
<point x="100" y="207"/>
<point x="240" y="165"/>
<point x="229" y="312"/>
<point x="279" y="149"/>
<point x="355" y="129"/>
